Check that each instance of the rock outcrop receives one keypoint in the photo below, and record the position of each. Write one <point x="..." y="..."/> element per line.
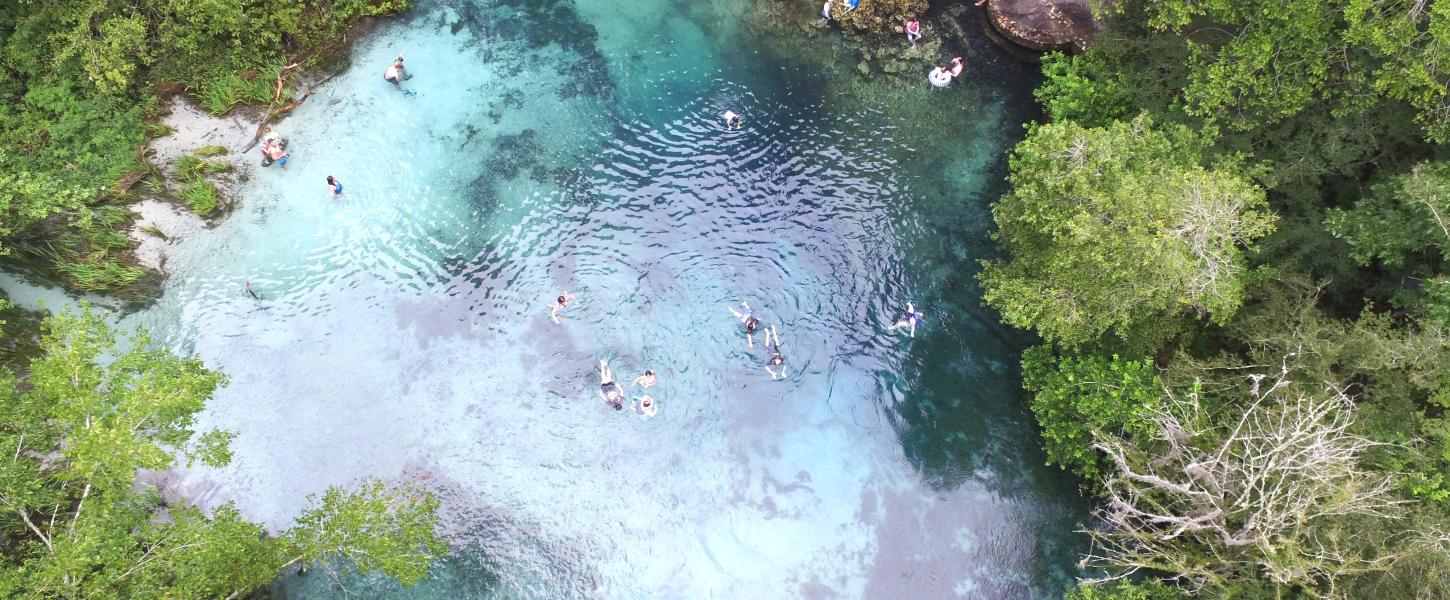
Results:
<point x="1044" y="25"/>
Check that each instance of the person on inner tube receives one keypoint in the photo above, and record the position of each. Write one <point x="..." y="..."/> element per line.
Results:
<point x="748" y="319"/>
<point x="909" y="320"/>
<point x="776" y="358"/>
<point x="608" y="389"/>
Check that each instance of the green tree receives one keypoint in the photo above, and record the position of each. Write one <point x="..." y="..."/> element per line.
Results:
<point x="95" y="410"/>
<point x="1399" y="219"/>
<point x="1079" y="398"/>
<point x="1110" y="229"/>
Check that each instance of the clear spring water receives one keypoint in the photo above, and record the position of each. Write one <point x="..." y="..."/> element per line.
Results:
<point x="403" y="331"/>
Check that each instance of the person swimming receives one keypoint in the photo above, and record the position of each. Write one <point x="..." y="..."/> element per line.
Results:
<point x="910" y="319"/>
<point x="646" y="406"/>
<point x="748" y="319"/>
<point x="776" y="358"/>
<point x="957" y="67"/>
<point x="732" y="120"/>
<point x="559" y="306"/>
<point x="646" y="380"/>
<point x="608" y="389"/>
<point x="913" y="31"/>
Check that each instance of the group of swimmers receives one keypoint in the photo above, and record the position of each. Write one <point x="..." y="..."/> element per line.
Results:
<point x="274" y="146"/>
<point x="614" y="395"/>
<point x="609" y="390"/>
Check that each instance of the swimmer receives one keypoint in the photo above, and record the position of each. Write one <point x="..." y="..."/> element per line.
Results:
<point x="957" y="67"/>
<point x="913" y="31"/>
<point x="561" y="303"/>
<point x="776" y="358"/>
<point x="732" y="120"/>
<point x="334" y="187"/>
<point x="608" y="389"/>
<point x="748" y="319"/>
<point x="646" y="380"/>
<point x="646" y="406"/>
<point x="910" y="319"/>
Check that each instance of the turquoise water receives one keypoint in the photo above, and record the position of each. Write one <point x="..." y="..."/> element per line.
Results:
<point x="403" y="331"/>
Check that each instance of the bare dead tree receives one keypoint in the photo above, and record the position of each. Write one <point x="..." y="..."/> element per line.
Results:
<point x="1204" y="499"/>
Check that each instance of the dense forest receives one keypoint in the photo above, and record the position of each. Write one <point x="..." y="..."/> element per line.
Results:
<point x="1230" y="233"/>
<point x="85" y="409"/>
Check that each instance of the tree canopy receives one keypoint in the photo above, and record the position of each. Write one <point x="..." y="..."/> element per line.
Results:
<point x="1109" y="228"/>
<point x="93" y="411"/>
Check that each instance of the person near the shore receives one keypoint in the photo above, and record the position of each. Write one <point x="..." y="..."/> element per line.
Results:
<point x="732" y="120"/>
<point x="276" y="154"/>
<point x="646" y="380"/>
<point x="334" y="187"/>
<point x="826" y="10"/>
<point x="748" y="319"/>
<point x="913" y="31"/>
<point x="559" y="306"/>
<point x="608" y="389"/>
<point x="957" y="67"/>
<point x="646" y="406"/>
<point x="777" y="359"/>
<point x="852" y="4"/>
<point x="908" y="320"/>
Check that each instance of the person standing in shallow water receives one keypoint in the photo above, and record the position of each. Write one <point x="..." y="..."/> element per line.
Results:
<point x="559" y="306"/>
<point x="334" y="187"/>
<point x="913" y="31"/>
<point x="608" y="389"/>
<point x="396" y="74"/>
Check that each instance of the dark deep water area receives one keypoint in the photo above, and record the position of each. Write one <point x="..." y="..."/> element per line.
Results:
<point x="404" y="331"/>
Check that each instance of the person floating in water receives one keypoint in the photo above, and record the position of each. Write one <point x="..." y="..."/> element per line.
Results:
<point x="608" y="389"/>
<point x="908" y="320"/>
<point x="732" y="120"/>
<point x="559" y="306"/>
<point x="957" y="67"/>
<point x="777" y="359"/>
<point x="748" y="319"/>
<point x="396" y="74"/>
<point x="913" y="31"/>
<point x="646" y="380"/>
<point x="334" y="187"/>
<point x="646" y="406"/>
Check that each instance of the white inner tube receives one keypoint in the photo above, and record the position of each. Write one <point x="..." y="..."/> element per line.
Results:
<point x="939" y="79"/>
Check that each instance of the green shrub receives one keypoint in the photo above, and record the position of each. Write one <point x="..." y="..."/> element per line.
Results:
<point x="1076" y="399"/>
